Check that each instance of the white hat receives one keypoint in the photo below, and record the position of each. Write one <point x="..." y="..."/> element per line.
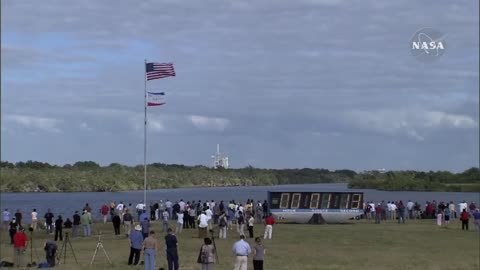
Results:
<point x="138" y="227"/>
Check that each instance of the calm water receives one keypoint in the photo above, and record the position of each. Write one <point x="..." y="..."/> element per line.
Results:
<point x="66" y="203"/>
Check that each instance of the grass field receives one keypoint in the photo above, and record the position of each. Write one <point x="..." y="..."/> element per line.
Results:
<point x="356" y="245"/>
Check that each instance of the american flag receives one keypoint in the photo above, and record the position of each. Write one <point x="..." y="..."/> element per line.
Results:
<point x="159" y="70"/>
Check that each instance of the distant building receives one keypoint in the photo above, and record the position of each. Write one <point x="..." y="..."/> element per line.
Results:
<point x="219" y="159"/>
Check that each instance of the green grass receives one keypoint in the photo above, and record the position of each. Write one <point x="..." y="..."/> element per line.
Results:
<point x="357" y="245"/>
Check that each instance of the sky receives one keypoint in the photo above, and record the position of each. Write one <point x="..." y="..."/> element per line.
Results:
<point x="278" y="84"/>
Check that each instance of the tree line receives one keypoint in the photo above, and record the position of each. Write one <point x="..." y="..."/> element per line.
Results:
<point x="31" y="176"/>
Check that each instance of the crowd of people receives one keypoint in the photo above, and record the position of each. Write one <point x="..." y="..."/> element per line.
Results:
<point x="441" y="211"/>
<point x="211" y="219"/>
<point x="137" y="227"/>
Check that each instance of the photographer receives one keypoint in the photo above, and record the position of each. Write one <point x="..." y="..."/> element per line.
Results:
<point x="50" y="252"/>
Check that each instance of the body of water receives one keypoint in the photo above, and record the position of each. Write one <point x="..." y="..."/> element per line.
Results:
<point x="66" y="203"/>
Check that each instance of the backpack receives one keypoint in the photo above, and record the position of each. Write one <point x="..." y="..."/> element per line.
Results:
<point x="222" y="222"/>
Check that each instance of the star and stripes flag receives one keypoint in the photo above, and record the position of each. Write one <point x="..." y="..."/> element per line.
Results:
<point x="155" y="99"/>
<point x="159" y="70"/>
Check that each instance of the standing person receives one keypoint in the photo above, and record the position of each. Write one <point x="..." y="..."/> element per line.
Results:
<point x="222" y="225"/>
<point x="165" y="216"/>
<point x="116" y="223"/>
<point x="104" y="211"/>
<point x="203" y="225"/>
<point x="179" y="222"/>
<point x="269" y="222"/>
<point x="439" y="218"/>
<point x="150" y="247"/>
<point x="145" y="227"/>
<point x="476" y="219"/>
<point x="192" y="213"/>
<point x="88" y="208"/>
<point x="76" y="224"/>
<point x="12" y="229"/>
<point x="139" y="207"/>
<point x="127" y="222"/>
<point x="265" y="208"/>
<point x="19" y="244"/>
<point x="472" y="207"/>
<point x="258" y="254"/>
<point x="113" y="206"/>
<point x="401" y="212"/>
<point x="86" y="220"/>
<point x="207" y="255"/>
<point x="241" y="223"/>
<point x="136" y="241"/>
<point x="172" y="253"/>
<point x="251" y="220"/>
<point x="464" y="217"/>
<point x="453" y="214"/>
<point x="34" y="220"/>
<point x="49" y="221"/>
<point x="241" y="249"/>
<point x="209" y="214"/>
<point x="6" y="217"/>
<point x="447" y="214"/>
<point x="18" y="216"/>
<point x="410" y="205"/>
<point x="50" y="252"/>
<point x="58" y="228"/>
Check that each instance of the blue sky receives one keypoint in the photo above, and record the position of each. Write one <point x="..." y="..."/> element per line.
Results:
<point x="279" y="84"/>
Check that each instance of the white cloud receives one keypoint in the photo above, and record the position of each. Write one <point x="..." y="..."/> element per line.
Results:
<point x="439" y="119"/>
<point x="33" y="122"/>
<point x="410" y="123"/>
<point x="209" y="123"/>
<point x="85" y="126"/>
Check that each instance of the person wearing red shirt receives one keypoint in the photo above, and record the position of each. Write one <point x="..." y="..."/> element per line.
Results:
<point x="104" y="211"/>
<point x="19" y="244"/>
<point x="269" y="222"/>
<point x="464" y="217"/>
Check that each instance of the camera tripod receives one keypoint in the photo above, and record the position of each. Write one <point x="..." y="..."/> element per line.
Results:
<point x="32" y="263"/>
<point x="100" y="245"/>
<point x="212" y="232"/>
<point x="63" y="250"/>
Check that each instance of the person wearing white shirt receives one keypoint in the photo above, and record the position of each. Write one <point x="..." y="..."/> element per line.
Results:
<point x="410" y="209"/>
<point x="372" y="210"/>
<point x="165" y="217"/>
<point x="462" y="205"/>
<point x="182" y="206"/>
<point x="209" y="214"/>
<point x="179" y="222"/>
<point x="203" y="225"/>
<point x="394" y="210"/>
<point x="120" y="208"/>
<point x="453" y="214"/>
<point x="168" y="206"/>
<point x="140" y="206"/>
<point x="34" y="219"/>
<point x="251" y="221"/>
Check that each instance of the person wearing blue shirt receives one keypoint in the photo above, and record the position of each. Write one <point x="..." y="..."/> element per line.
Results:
<point x="145" y="223"/>
<point x="241" y="249"/>
<point x="476" y="217"/>
<point x="136" y="241"/>
<point x="6" y="219"/>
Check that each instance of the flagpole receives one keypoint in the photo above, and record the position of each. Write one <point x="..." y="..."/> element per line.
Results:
<point x="145" y="142"/>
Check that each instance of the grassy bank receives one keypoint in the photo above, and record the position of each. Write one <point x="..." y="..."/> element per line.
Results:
<point x="357" y="245"/>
